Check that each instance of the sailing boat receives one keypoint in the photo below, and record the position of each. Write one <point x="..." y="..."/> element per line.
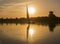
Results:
<point x="28" y="21"/>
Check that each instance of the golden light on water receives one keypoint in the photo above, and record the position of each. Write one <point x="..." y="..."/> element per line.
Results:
<point x="31" y="10"/>
<point x="31" y="31"/>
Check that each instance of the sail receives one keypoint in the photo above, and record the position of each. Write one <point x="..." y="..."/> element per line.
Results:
<point x="27" y="13"/>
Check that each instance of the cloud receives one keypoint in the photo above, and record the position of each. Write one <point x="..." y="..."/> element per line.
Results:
<point x="2" y="2"/>
<point x="6" y="3"/>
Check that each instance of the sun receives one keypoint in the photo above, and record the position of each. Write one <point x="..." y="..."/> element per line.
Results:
<point x="31" y="10"/>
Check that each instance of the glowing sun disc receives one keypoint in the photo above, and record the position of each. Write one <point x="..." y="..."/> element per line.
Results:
<point x="31" y="10"/>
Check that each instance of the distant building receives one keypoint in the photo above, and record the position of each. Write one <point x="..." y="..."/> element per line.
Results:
<point x="51" y="14"/>
<point x="52" y="17"/>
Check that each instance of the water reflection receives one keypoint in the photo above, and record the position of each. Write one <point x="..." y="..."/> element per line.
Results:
<point x="28" y="31"/>
<point x="31" y="31"/>
<point x="51" y="27"/>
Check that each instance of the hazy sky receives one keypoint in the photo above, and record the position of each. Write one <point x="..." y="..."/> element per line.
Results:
<point x="16" y="8"/>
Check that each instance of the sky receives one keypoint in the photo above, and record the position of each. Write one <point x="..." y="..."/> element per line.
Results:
<point x="17" y="8"/>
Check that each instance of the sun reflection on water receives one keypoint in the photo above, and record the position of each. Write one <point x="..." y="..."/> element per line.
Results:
<point x="31" y="31"/>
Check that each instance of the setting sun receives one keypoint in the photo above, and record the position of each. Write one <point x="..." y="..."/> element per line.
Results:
<point x="31" y="10"/>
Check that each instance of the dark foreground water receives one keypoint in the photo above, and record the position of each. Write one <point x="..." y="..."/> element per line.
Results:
<point x="29" y="34"/>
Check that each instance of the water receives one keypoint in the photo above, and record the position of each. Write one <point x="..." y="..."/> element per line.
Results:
<point x="29" y="34"/>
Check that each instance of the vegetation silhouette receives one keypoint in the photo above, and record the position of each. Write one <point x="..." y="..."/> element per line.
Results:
<point x="51" y="20"/>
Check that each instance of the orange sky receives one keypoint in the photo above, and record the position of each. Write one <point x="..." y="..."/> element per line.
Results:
<point x="18" y="9"/>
